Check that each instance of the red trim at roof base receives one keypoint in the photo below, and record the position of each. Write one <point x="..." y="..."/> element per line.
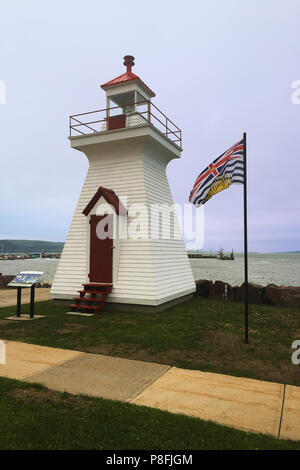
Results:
<point x="110" y="197"/>
<point x="124" y="78"/>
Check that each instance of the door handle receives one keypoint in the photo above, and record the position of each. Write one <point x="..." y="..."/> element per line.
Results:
<point x="112" y="247"/>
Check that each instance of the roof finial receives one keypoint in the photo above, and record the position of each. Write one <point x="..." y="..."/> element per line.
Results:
<point x="129" y="62"/>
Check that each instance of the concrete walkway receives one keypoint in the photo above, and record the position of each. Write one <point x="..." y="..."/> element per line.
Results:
<point x="250" y="405"/>
<point x="8" y="297"/>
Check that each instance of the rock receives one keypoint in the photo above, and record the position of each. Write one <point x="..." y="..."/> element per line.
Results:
<point x="255" y="293"/>
<point x="272" y="294"/>
<point x="202" y="287"/>
<point x="42" y="284"/>
<point x="4" y="280"/>
<point x="290" y="299"/>
<point x="46" y="284"/>
<point x="287" y="296"/>
<point x="217" y="290"/>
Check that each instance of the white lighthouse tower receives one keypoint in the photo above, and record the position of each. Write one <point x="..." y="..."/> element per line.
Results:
<point x="124" y="240"/>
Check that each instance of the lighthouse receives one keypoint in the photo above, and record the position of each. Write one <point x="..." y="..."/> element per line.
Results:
<point x="124" y="246"/>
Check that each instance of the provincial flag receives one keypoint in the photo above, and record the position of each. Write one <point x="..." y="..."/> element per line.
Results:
<point x="220" y="174"/>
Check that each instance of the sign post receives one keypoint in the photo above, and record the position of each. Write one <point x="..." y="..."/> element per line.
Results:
<point x="25" y="279"/>
<point x="19" y="293"/>
<point x="32" y="292"/>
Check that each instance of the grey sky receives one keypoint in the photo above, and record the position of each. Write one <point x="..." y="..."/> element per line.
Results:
<point x="218" y="68"/>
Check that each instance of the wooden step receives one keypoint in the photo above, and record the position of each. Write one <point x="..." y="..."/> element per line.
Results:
<point x="94" y="292"/>
<point x="89" y="299"/>
<point x="98" y="292"/>
<point x="97" y="287"/>
<point x="85" y="307"/>
<point x="98" y="284"/>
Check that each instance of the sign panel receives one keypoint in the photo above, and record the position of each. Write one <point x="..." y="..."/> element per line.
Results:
<point x="25" y="279"/>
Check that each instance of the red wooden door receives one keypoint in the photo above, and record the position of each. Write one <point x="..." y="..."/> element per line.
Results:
<point x="101" y="249"/>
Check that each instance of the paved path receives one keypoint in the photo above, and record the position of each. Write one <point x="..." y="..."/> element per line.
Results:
<point x="250" y="405"/>
<point x="8" y="297"/>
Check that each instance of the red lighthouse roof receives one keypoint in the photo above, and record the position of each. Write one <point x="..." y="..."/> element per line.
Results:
<point x="128" y="76"/>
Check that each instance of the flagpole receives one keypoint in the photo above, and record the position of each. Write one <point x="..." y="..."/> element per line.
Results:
<point x="245" y="238"/>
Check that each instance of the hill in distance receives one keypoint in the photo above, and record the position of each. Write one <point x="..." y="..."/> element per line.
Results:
<point x="30" y="246"/>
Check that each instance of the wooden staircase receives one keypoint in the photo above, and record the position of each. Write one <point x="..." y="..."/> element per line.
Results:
<point x="91" y="299"/>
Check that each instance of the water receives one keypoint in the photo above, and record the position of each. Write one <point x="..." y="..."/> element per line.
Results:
<point x="264" y="268"/>
<point x="46" y="265"/>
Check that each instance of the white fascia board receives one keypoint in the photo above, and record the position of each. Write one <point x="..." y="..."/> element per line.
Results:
<point x="127" y="87"/>
<point x="79" y="142"/>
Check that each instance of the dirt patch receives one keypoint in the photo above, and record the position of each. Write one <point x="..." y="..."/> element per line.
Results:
<point x="15" y="333"/>
<point x="107" y="349"/>
<point x="50" y="397"/>
<point x="72" y="328"/>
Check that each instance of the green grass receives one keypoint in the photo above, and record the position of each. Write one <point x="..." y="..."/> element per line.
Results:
<point x="200" y="334"/>
<point x="33" y="417"/>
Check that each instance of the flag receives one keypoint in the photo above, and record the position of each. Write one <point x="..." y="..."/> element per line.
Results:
<point x="220" y="174"/>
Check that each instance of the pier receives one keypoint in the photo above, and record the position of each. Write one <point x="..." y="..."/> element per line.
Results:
<point x="220" y="255"/>
<point x="15" y="256"/>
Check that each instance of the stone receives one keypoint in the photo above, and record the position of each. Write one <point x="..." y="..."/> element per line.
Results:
<point x="272" y="294"/>
<point x="202" y="287"/>
<point x="217" y="290"/>
<point x="287" y="296"/>
<point x="255" y="293"/>
<point x="289" y="299"/>
<point x="4" y="280"/>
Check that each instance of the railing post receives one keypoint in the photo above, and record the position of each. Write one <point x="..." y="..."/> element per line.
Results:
<point x="149" y="111"/>
<point x="167" y="127"/>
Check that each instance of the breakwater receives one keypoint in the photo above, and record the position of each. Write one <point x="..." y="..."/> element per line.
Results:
<point x="4" y="280"/>
<point x="272" y="294"/>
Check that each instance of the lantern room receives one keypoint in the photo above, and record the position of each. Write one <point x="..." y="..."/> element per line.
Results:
<point x="128" y="104"/>
<point x="126" y="97"/>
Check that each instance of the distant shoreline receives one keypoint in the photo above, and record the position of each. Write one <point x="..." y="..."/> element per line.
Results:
<point x="249" y="252"/>
<point x="21" y="246"/>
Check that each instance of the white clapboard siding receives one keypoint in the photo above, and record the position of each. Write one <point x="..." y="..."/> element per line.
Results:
<point x="169" y="253"/>
<point x="149" y="271"/>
